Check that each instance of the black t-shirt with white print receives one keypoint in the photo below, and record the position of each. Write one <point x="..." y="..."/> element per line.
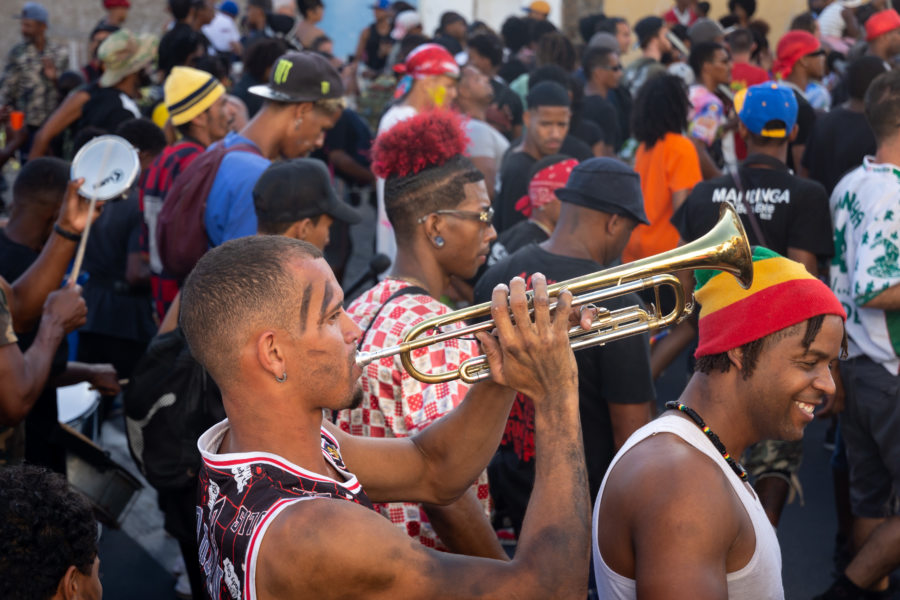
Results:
<point x="792" y="212"/>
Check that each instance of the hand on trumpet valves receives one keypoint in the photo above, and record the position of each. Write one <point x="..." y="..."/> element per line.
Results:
<point x="73" y="214"/>
<point x="530" y="353"/>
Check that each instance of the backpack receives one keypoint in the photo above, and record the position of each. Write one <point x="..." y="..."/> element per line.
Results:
<point x="171" y="401"/>
<point x="180" y="232"/>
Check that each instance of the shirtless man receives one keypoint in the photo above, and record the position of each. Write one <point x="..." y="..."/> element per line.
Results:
<point x="675" y="517"/>
<point x="283" y="504"/>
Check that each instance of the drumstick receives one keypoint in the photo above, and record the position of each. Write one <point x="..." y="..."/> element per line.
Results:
<point x="79" y="255"/>
<point x="121" y="382"/>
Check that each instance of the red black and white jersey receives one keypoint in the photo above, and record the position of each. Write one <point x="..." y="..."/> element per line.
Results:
<point x="240" y="494"/>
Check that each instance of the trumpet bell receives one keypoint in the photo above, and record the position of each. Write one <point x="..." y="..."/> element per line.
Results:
<point x="725" y="248"/>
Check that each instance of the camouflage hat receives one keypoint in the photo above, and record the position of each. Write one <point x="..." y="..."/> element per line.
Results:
<point x="124" y="53"/>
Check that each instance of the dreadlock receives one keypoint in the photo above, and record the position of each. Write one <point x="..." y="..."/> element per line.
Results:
<point x="422" y="161"/>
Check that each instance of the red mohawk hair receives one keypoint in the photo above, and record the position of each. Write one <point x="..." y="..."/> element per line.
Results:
<point x="428" y="139"/>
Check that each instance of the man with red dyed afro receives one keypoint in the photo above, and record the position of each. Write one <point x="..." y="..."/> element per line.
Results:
<point x="438" y="205"/>
<point x="428" y="81"/>
<point x="675" y="517"/>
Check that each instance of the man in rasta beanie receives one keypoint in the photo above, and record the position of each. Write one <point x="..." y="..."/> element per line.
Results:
<point x="675" y="517"/>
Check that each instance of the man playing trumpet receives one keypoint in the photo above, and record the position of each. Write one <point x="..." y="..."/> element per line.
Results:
<point x="283" y="509"/>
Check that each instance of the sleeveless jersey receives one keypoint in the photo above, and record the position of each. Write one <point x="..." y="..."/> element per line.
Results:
<point x="240" y="494"/>
<point x="759" y="579"/>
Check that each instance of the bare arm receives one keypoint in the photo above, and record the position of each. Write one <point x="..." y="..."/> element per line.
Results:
<point x="805" y="258"/>
<point x="22" y="377"/>
<point x="345" y="164"/>
<point x="101" y="376"/>
<point x="889" y="299"/>
<point x="324" y="548"/>
<point x="170" y="321"/>
<point x="66" y="113"/>
<point x="464" y="528"/>
<point x="797" y="151"/>
<point x="678" y="198"/>
<point x="667" y="520"/>
<point x="137" y="270"/>
<point x="708" y="168"/>
<point x="488" y="168"/>
<point x="30" y="290"/>
<point x="626" y="419"/>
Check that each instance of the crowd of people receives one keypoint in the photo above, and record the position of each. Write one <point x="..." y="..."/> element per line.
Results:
<point x="222" y="318"/>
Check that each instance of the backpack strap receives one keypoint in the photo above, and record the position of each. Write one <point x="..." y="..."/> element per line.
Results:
<point x="411" y="289"/>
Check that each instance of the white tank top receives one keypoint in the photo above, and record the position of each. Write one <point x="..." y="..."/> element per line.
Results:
<point x="760" y="579"/>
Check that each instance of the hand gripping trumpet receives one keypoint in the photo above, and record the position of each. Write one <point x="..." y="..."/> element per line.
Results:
<point x="724" y="248"/>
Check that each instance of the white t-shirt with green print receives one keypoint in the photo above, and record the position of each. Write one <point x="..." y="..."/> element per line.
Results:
<point x="865" y="211"/>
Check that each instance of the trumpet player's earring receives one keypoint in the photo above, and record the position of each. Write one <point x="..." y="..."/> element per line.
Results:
<point x="283" y="378"/>
<point x="439" y="241"/>
<point x="297" y="123"/>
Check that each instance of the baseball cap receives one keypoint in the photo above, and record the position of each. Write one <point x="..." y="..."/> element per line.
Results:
<point x="301" y="77"/>
<point x="603" y="39"/>
<point x="297" y="189"/>
<point x="881" y="23"/>
<point x="428" y="59"/>
<point x="539" y="6"/>
<point x="189" y="92"/>
<point x="116" y="4"/>
<point x="705" y="30"/>
<point x="229" y="8"/>
<point x="793" y="46"/>
<point x="34" y="11"/>
<point x="381" y="5"/>
<point x="607" y="185"/>
<point x="404" y="22"/>
<point x="759" y="107"/>
<point x="124" y="53"/>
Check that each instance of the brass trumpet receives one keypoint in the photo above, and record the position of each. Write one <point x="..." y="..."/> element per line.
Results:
<point x="724" y="248"/>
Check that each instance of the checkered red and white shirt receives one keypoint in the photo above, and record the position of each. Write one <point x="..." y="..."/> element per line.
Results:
<point x="394" y="403"/>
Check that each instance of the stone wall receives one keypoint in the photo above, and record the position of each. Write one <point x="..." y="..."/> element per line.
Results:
<point x="71" y="21"/>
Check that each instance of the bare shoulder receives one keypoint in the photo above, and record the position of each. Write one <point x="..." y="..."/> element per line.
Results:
<point x="323" y="548"/>
<point x="664" y="471"/>
<point x="666" y="503"/>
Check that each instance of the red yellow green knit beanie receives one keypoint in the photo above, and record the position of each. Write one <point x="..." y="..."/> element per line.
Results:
<point x="783" y="294"/>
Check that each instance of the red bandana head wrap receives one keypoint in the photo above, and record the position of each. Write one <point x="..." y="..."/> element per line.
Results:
<point x="543" y="185"/>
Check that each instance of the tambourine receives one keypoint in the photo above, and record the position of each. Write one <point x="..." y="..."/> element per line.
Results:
<point x="110" y="166"/>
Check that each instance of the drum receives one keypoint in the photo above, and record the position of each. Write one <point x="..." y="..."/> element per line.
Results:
<point x="109" y="487"/>
<point x="77" y="407"/>
<point x="109" y="165"/>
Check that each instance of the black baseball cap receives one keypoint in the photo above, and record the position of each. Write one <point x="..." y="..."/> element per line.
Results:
<point x="301" y="77"/>
<point x="297" y="189"/>
<point x="606" y="185"/>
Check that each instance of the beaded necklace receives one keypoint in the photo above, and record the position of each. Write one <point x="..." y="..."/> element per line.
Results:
<point x="690" y="412"/>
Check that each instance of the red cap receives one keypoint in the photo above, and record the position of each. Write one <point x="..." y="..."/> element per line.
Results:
<point x="116" y="4"/>
<point x="429" y="59"/>
<point x="791" y="48"/>
<point x="882" y="22"/>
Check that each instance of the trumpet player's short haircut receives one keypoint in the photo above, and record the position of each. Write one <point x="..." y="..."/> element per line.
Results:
<point x="422" y="162"/>
<point x="240" y="285"/>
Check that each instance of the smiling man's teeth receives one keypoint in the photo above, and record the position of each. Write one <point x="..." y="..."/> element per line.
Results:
<point x="807" y="408"/>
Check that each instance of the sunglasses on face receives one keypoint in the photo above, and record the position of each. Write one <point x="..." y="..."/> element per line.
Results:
<point x="484" y="216"/>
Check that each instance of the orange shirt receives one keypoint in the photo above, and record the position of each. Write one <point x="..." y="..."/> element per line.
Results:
<point x="671" y="165"/>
